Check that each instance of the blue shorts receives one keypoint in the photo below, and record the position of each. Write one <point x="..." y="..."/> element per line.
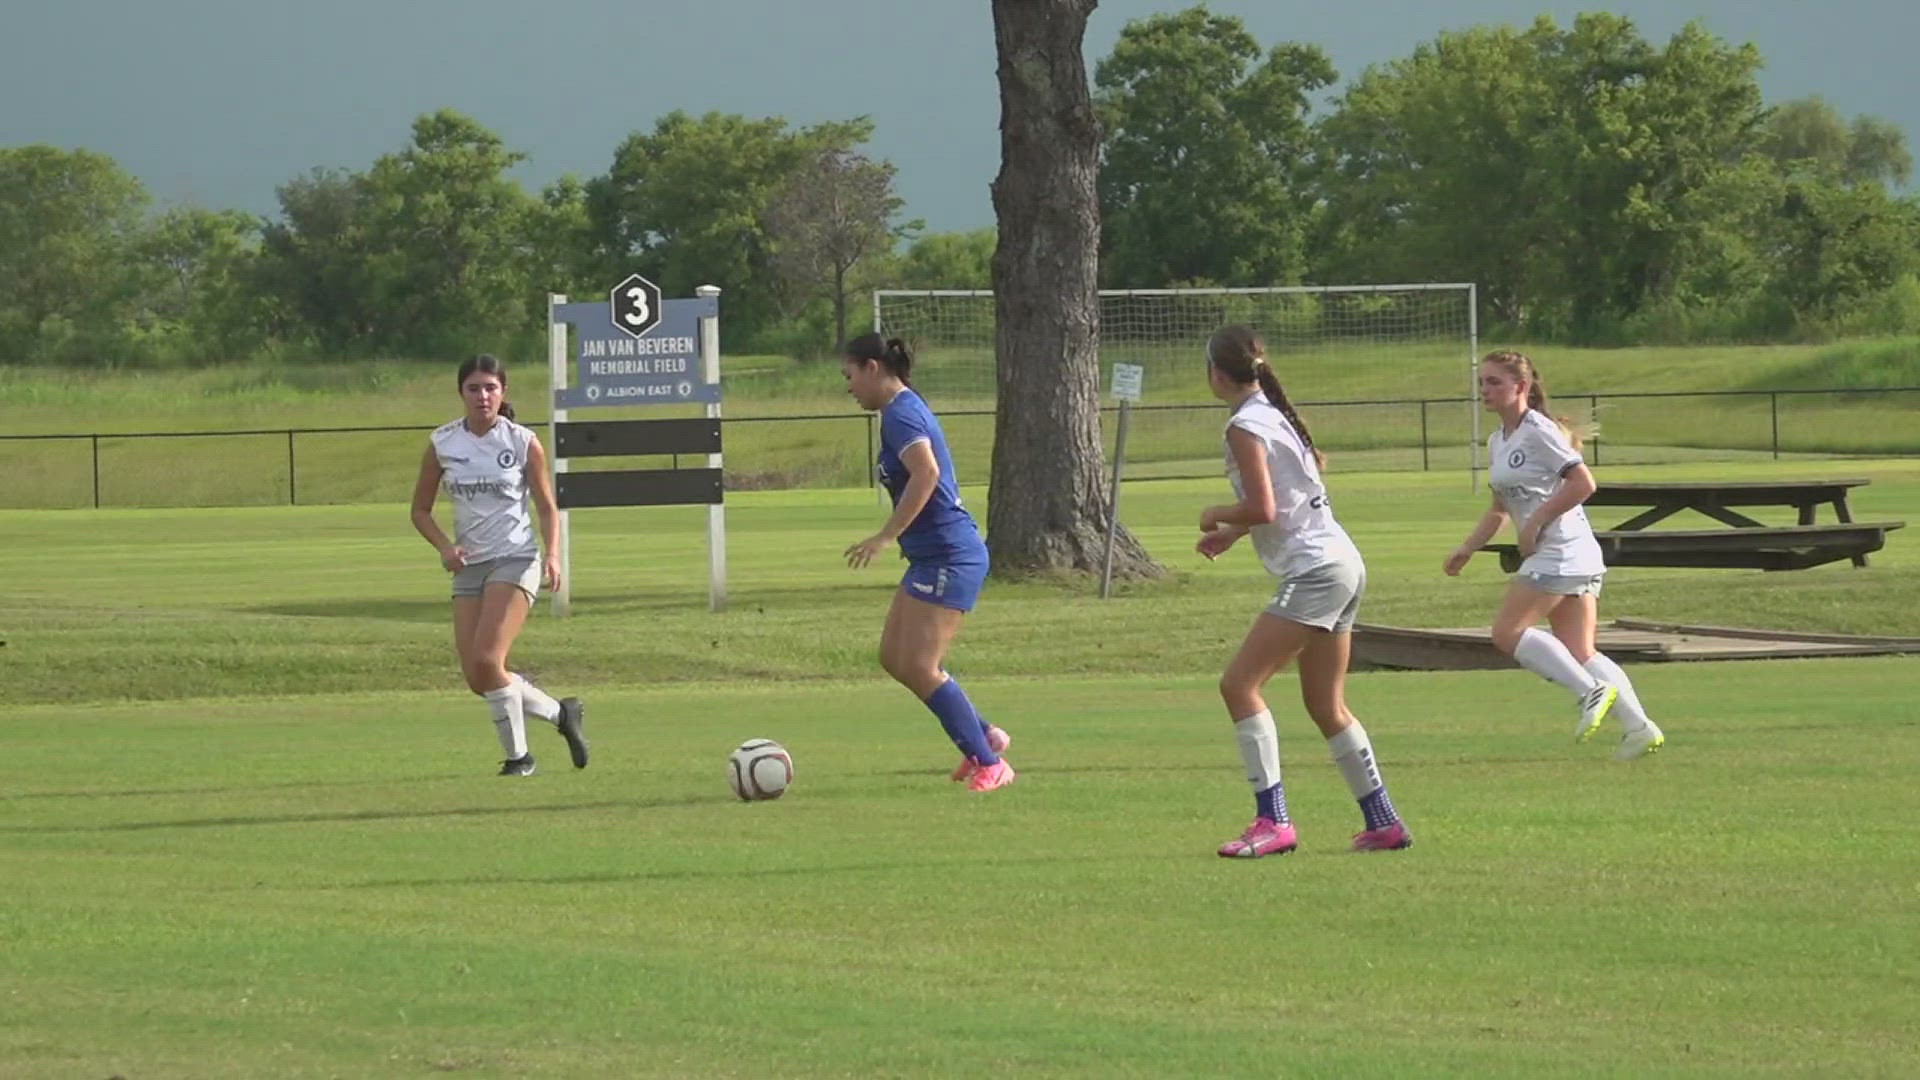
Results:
<point x="951" y="584"/>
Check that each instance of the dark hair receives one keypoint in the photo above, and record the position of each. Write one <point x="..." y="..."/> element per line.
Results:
<point x="1240" y="355"/>
<point x="891" y="353"/>
<point x="490" y="365"/>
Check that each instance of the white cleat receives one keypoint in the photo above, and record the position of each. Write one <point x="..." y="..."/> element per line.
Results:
<point x="1593" y="709"/>
<point x="1640" y="742"/>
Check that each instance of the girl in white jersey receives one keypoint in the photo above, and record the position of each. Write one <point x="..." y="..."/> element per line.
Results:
<point x="489" y="465"/>
<point x="1283" y="506"/>
<point x="1539" y="480"/>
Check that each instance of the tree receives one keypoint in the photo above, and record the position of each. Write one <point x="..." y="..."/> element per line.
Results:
<point x="1207" y="145"/>
<point x="1806" y="134"/>
<point x="950" y="260"/>
<point x="445" y="238"/>
<point x="313" y="264"/>
<point x="685" y="204"/>
<point x="1048" y="502"/>
<point x="832" y="215"/>
<point x="67" y="223"/>
<point x="203" y="282"/>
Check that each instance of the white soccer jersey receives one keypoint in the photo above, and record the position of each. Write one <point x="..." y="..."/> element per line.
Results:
<point x="1303" y="533"/>
<point x="485" y="477"/>
<point x="1525" y="469"/>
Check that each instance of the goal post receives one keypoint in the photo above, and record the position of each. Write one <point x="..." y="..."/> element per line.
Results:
<point x="1375" y="369"/>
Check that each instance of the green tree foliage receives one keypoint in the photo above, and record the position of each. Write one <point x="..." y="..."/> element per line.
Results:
<point x="686" y="205"/>
<point x="1550" y="166"/>
<point x="949" y="260"/>
<point x="830" y="219"/>
<point x="1808" y="135"/>
<point x="1205" y="153"/>
<point x="68" y="223"/>
<point x="203" y="301"/>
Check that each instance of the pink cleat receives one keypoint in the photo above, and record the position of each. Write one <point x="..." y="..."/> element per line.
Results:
<point x="997" y="741"/>
<point x="1392" y="838"/>
<point x="988" y="777"/>
<point x="1264" y="837"/>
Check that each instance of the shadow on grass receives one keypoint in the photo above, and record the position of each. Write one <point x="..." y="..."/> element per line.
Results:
<point x="591" y="602"/>
<point x="410" y="610"/>
<point x="354" y="816"/>
<point x="232" y="789"/>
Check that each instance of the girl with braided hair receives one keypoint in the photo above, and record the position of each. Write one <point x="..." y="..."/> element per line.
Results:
<point x="1282" y="505"/>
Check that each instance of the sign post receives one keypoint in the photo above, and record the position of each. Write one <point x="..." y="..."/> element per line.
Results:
<point x="1126" y="387"/>
<point x="636" y="349"/>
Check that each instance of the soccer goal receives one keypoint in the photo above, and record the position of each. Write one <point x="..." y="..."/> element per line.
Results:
<point x="1376" y="371"/>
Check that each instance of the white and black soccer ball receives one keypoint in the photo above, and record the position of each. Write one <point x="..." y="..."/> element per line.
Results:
<point x="760" y="769"/>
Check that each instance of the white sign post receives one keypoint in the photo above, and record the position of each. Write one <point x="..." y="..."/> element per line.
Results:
<point x="1126" y="388"/>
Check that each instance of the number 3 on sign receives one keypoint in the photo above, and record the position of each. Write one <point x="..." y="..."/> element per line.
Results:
<point x="641" y="312"/>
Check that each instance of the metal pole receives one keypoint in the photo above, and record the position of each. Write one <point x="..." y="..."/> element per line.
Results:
<point x="1473" y="386"/>
<point x="1593" y="414"/>
<point x="1423" y="435"/>
<point x="716" y="512"/>
<point x="291" y="501"/>
<point x="96" y="471"/>
<point x="1113" y="499"/>
<point x="557" y="381"/>
<point x="1773" y="407"/>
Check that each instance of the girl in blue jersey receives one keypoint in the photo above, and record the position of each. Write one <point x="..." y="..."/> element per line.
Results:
<point x="946" y="559"/>
<point x="490" y="468"/>
<point x="1282" y="507"/>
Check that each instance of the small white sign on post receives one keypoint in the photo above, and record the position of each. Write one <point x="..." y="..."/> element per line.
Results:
<point x="1126" y="388"/>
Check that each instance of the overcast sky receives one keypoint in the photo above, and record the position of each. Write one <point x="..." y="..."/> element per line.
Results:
<point x="216" y="102"/>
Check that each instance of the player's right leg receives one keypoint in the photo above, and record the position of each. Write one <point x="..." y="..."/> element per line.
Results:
<point x="1271" y="643"/>
<point x="1574" y="622"/>
<point x="502" y="612"/>
<point x="1515" y="634"/>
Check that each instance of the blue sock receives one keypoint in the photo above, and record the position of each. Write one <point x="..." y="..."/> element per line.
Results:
<point x="1378" y="809"/>
<point x="976" y="712"/>
<point x="962" y="722"/>
<point x="1271" y="804"/>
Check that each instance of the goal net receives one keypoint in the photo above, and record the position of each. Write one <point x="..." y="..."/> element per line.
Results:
<point x="1377" y="372"/>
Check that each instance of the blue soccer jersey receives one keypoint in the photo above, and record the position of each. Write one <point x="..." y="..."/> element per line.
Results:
<point x="943" y="528"/>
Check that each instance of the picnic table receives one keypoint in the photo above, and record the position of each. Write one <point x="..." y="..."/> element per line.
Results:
<point x="1743" y="542"/>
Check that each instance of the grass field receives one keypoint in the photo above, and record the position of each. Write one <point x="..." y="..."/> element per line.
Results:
<point x="249" y="827"/>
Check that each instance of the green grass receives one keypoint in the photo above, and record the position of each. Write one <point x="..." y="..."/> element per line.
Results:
<point x="248" y="828"/>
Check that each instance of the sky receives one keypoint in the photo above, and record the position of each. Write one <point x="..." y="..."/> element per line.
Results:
<point x="217" y="102"/>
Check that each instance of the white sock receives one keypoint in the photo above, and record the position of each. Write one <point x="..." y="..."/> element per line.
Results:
<point x="508" y="720"/>
<point x="1259" y="748"/>
<point x="537" y="702"/>
<point x="1632" y="716"/>
<point x="1542" y="654"/>
<point x="1353" y="752"/>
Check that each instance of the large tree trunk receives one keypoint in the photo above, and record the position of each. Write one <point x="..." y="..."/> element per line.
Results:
<point x="1047" y="508"/>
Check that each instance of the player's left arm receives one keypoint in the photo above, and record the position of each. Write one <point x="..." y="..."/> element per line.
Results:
<point x="1576" y="486"/>
<point x="923" y="475"/>
<point x="540" y="487"/>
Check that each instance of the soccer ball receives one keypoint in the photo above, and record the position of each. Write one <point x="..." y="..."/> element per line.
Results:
<point x="760" y="769"/>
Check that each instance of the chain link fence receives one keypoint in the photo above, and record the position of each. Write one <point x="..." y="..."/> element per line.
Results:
<point x="302" y="466"/>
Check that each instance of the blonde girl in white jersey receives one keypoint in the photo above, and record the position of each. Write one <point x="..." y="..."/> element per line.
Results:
<point x="1540" y="481"/>
<point x="489" y="466"/>
<point x="1281" y="503"/>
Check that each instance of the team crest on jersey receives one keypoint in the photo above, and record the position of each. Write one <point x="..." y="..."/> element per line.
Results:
<point x="506" y="459"/>
<point x="1517" y="459"/>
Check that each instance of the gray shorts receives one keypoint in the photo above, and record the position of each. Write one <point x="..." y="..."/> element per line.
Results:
<point x="1562" y="584"/>
<point x="522" y="572"/>
<point x="1327" y="596"/>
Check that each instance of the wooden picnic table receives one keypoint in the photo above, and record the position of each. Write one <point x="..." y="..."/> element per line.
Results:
<point x="1663" y="499"/>
<point x="1745" y="542"/>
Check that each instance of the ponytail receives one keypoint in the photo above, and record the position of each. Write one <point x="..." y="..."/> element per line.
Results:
<point x="1270" y="386"/>
<point x="506" y="409"/>
<point x="1520" y="366"/>
<point x="889" y="353"/>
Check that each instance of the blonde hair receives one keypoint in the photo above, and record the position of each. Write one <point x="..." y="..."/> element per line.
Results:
<point x="1577" y="429"/>
<point x="1240" y="355"/>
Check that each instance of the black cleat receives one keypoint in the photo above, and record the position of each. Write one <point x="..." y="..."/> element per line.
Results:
<point x="573" y="714"/>
<point x="520" y="766"/>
